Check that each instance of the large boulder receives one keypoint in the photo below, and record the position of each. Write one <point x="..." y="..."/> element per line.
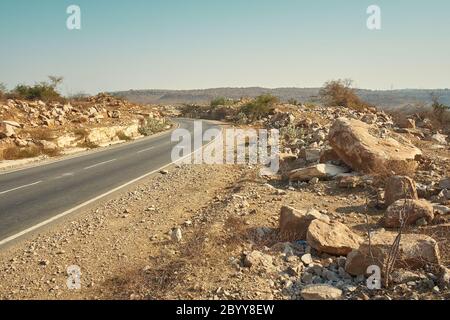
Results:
<point x="333" y="238"/>
<point x="415" y="252"/>
<point x="409" y="209"/>
<point x="294" y="223"/>
<point x="399" y="187"/>
<point x="365" y="148"/>
<point x="321" y="171"/>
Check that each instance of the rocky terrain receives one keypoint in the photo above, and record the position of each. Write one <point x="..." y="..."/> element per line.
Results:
<point x="36" y="128"/>
<point x="355" y="189"/>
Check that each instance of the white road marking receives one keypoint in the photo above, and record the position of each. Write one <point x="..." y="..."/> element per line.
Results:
<point x="43" y="223"/>
<point x="144" y="150"/>
<point x="21" y="187"/>
<point x="99" y="164"/>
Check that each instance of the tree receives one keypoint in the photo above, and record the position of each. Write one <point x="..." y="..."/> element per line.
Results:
<point x="341" y="93"/>
<point x="55" y="81"/>
<point x="260" y="107"/>
<point x="2" y="89"/>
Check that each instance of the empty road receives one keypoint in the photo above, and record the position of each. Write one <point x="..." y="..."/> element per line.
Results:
<point x="33" y="197"/>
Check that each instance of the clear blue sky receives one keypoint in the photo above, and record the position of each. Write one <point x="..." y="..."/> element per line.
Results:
<point x="186" y="44"/>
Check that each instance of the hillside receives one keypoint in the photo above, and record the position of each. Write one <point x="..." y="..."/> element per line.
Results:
<point x="386" y="99"/>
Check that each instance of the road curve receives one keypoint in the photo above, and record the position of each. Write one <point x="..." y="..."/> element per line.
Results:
<point x="31" y="197"/>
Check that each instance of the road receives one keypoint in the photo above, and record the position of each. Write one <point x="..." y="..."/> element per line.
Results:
<point x="33" y="197"/>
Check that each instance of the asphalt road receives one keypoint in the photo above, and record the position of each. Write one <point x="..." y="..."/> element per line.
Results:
<point x="30" y="197"/>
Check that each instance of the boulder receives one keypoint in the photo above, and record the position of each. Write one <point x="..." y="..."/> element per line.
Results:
<point x="321" y="171"/>
<point x="365" y="148"/>
<point x="399" y="187"/>
<point x="294" y="223"/>
<point x="321" y="292"/>
<point x="439" y="138"/>
<point x="6" y="130"/>
<point x="333" y="238"/>
<point x="415" y="252"/>
<point x="411" y="209"/>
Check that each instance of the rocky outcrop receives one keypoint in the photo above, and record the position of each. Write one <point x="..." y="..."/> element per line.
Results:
<point x="366" y="148"/>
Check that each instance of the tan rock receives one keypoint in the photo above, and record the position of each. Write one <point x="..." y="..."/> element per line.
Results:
<point x="321" y="292"/>
<point x="409" y="209"/>
<point x="400" y="187"/>
<point x="321" y="171"/>
<point x="332" y="237"/>
<point x="364" y="148"/>
<point x="416" y="251"/>
<point x="294" y="223"/>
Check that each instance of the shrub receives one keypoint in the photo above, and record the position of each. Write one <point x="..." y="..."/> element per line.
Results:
<point x="81" y="133"/>
<point x="220" y="101"/>
<point x="16" y="153"/>
<point x="152" y="126"/>
<point x="40" y="91"/>
<point x="291" y="133"/>
<point x="88" y="145"/>
<point x="122" y="136"/>
<point x="340" y="93"/>
<point x="259" y="108"/>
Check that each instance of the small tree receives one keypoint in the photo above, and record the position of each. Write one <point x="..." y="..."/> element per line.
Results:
<point x="55" y="81"/>
<point x="2" y="90"/>
<point x="220" y="101"/>
<point x="260" y="107"/>
<point x="341" y="93"/>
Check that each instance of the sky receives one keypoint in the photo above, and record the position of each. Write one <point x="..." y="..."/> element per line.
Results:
<point x="194" y="44"/>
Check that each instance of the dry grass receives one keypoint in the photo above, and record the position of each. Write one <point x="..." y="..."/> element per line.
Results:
<point x="123" y="136"/>
<point x="88" y="145"/>
<point x="16" y="153"/>
<point x="41" y="134"/>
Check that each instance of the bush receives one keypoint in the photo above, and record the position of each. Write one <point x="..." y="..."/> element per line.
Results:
<point x="41" y="91"/>
<point x="259" y="108"/>
<point x="221" y="101"/>
<point x="340" y="93"/>
<point x="16" y="153"/>
<point x="152" y="126"/>
<point x="41" y="134"/>
<point x="122" y="136"/>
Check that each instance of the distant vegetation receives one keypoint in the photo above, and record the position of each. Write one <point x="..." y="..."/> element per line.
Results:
<point x="221" y="101"/>
<point x="151" y="126"/>
<point x="379" y="98"/>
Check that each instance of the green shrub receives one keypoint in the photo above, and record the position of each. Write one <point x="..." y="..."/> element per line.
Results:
<point x="259" y="108"/>
<point x="220" y="101"/>
<point x="40" y="91"/>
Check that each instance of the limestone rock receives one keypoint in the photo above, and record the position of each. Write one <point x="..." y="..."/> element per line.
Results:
<point x="332" y="237"/>
<point x="399" y="187"/>
<point x="411" y="209"/>
<point x="321" y="171"/>
<point x="321" y="292"/>
<point x="294" y="223"/>
<point x="365" y="148"/>
<point x="416" y="251"/>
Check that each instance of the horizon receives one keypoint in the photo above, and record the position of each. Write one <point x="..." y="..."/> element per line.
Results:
<point x="199" y="45"/>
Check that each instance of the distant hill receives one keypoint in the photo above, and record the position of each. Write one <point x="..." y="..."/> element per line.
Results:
<point x="383" y="99"/>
